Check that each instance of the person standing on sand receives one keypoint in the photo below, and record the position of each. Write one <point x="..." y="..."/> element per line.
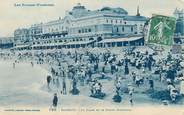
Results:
<point x="13" y="65"/>
<point x="55" y="101"/>
<point x="130" y="92"/>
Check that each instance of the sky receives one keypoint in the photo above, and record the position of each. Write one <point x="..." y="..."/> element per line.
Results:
<point x="13" y="16"/>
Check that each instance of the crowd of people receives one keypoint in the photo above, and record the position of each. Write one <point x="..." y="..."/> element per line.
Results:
<point x="131" y="72"/>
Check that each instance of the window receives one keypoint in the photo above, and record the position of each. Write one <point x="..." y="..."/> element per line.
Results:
<point x="132" y="29"/>
<point x="91" y="38"/>
<point x="111" y="21"/>
<point x="86" y="30"/>
<point x="116" y="21"/>
<point x="123" y="29"/>
<point x="141" y="27"/>
<point x="89" y="30"/>
<point x="107" y="21"/>
<point x="79" y="31"/>
<point x="124" y="22"/>
<point x="120" y="21"/>
<point x="117" y="30"/>
<point x="82" y="30"/>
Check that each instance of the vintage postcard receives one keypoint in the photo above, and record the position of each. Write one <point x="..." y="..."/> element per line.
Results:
<point x="92" y="57"/>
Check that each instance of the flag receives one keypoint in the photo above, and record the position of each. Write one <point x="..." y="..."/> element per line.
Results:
<point x="161" y="30"/>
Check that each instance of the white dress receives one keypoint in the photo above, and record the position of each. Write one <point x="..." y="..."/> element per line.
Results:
<point x="182" y="87"/>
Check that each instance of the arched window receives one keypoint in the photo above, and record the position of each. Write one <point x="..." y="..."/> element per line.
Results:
<point x="117" y="30"/>
<point x="91" y="38"/>
<point x="99" y="39"/>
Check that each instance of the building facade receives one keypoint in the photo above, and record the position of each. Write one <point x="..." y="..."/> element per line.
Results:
<point x="6" y="42"/>
<point x="35" y="31"/>
<point x="83" y="27"/>
<point x="21" y="36"/>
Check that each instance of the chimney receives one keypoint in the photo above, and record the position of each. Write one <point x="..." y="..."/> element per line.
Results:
<point x="138" y="13"/>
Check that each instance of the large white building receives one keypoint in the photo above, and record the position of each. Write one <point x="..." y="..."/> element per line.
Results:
<point x="81" y="27"/>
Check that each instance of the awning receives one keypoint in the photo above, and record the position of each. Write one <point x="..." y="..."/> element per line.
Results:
<point x="59" y="44"/>
<point x="120" y="39"/>
<point x="21" y="46"/>
<point x="50" y="44"/>
<point x="79" y="42"/>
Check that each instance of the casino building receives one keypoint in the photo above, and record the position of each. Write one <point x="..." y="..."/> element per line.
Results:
<point x="106" y="27"/>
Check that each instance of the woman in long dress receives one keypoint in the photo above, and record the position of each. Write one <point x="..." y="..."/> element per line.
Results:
<point x="182" y="86"/>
